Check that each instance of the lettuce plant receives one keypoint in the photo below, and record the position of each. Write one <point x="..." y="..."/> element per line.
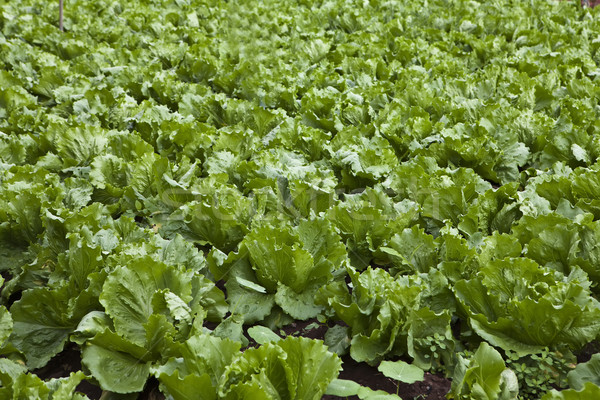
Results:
<point x="281" y="266"/>
<point x="517" y="305"/>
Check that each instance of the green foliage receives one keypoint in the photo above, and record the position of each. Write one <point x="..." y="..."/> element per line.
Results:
<point x="421" y="176"/>
<point x="483" y="375"/>
<point x="585" y="372"/>
<point x="510" y="295"/>
<point x="16" y="383"/>
<point x="401" y="371"/>
<point x="281" y="265"/>
<point x="589" y="391"/>
<point x="540" y="372"/>
<point x="344" y="388"/>
<point x="6" y="322"/>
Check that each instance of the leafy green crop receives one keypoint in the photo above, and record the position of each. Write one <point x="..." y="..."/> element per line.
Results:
<point x="181" y="179"/>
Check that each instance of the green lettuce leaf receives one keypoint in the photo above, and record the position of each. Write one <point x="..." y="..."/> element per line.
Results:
<point x="32" y="387"/>
<point x="115" y="369"/>
<point x="510" y="295"/>
<point x="128" y="295"/>
<point x="6" y="325"/>
<point x="42" y="321"/>
<point x="289" y="263"/>
<point x="589" y="391"/>
<point x="362" y="160"/>
<point x="220" y="220"/>
<point x="344" y="388"/>
<point x="585" y="372"/>
<point x="430" y="341"/>
<point x="411" y="250"/>
<point x="550" y="240"/>
<point x="276" y="257"/>
<point x="295" y="368"/>
<point x="494" y="211"/>
<point x="367" y="221"/>
<point x="484" y="376"/>
<point x="201" y="356"/>
<point x="401" y="371"/>
<point x="262" y="334"/>
<point x="377" y="310"/>
<point x="6" y="322"/>
<point x="78" y="146"/>
<point x="188" y="387"/>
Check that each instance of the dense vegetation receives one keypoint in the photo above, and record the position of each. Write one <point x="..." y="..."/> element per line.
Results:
<point x="181" y="179"/>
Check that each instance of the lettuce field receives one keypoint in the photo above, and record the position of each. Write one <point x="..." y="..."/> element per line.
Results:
<point x="255" y="199"/>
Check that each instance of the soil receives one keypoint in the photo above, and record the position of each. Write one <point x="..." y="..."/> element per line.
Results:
<point x="311" y="329"/>
<point x="434" y="387"/>
<point x="588" y="351"/>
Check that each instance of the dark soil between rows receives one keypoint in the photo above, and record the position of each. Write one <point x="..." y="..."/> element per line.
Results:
<point x="434" y="387"/>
